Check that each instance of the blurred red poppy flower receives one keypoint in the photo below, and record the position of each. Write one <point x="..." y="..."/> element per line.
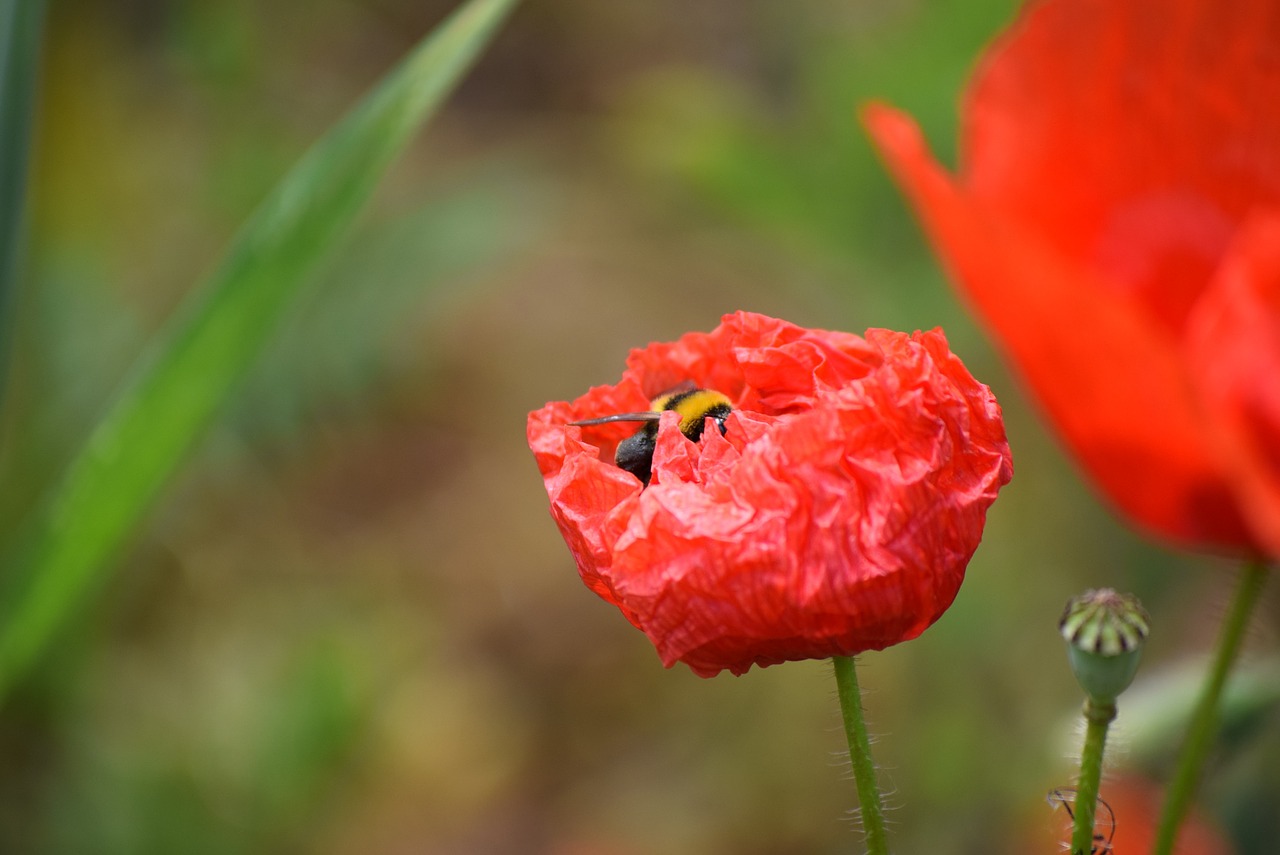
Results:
<point x="1115" y="219"/>
<point x="835" y="514"/>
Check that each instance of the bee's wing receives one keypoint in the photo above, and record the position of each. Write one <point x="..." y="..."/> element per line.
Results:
<point x="682" y="386"/>
<point x="647" y="416"/>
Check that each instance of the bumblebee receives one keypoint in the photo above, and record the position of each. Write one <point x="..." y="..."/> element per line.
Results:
<point x="695" y="406"/>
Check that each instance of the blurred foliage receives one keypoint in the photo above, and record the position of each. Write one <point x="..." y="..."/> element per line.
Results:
<point x="21" y="25"/>
<point x="350" y="626"/>
<point x="198" y="359"/>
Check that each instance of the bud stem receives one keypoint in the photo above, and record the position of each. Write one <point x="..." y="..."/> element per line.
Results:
<point x="1098" y="718"/>
<point x="864" y="769"/>
<point x="1204" y="719"/>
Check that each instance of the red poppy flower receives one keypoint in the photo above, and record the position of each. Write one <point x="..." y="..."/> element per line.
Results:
<point x="835" y="514"/>
<point x="1115" y="219"/>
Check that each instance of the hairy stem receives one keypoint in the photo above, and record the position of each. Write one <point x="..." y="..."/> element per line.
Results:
<point x="864" y="769"/>
<point x="1098" y="718"/>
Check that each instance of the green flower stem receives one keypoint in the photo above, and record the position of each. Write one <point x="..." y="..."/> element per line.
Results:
<point x="1098" y="718"/>
<point x="1204" y="719"/>
<point x="864" y="770"/>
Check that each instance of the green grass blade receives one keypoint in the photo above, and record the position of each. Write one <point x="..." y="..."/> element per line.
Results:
<point x="21" y="22"/>
<point x="212" y="340"/>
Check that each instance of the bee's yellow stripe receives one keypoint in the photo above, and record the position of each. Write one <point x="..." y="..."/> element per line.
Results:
<point x="693" y="406"/>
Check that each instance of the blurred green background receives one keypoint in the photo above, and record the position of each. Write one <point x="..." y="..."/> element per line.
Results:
<point x="350" y="625"/>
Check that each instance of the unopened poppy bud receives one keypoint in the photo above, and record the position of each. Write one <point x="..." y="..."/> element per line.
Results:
<point x="1104" y="633"/>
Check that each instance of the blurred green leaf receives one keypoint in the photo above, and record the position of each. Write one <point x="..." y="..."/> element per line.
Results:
<point x="1155" y="713"/>
<point x="798" y="169"/>
<point x="20" y="28"/>
<point x="258" y="774"/>
<point x="345" y="336"/>
<point x="306" y="736"/>
<point x="209" y="345"/>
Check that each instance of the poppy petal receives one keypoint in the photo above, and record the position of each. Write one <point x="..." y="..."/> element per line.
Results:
<point x="1132" y="137"/>
<point x="1097" y="364"/>
<point x="1233" y="346"/>
<point x="836" y="514"/>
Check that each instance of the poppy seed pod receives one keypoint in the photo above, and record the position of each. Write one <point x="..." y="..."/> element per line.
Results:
<point x="1104" y="632"/>
<point x="834" y="511"/>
